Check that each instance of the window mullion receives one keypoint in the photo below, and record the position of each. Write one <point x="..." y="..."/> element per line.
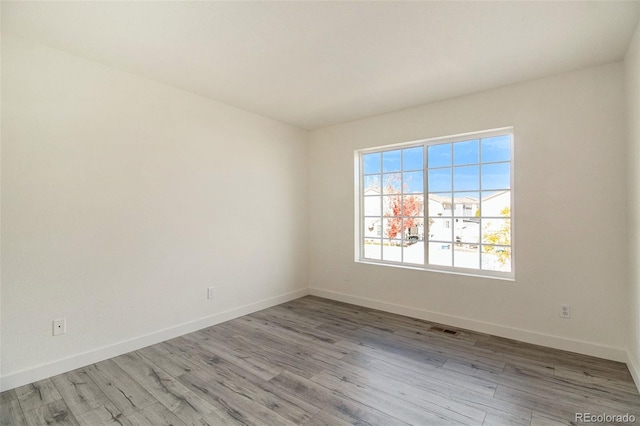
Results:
<point x="361" y="220"/>
<point x="480" y="247"/>
<point x="425" y="202"/>
<point x="453" y="221"/>
<point x="381" y="213"/>
<point x="401" y="206"/>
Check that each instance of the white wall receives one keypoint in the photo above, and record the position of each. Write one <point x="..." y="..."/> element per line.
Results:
<point x="570" y="214"/>
<point x="123" y="200"/>
<point x="632" y="68"/>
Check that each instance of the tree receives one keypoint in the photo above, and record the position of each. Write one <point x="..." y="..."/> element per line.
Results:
<point x="501" y="237"/>
<point x="411" y="207"/>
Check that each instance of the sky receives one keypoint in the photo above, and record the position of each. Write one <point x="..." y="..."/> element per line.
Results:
<point x="458" y="166"/>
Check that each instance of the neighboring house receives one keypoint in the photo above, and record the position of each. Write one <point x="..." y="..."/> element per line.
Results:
<point x="459" y="206"/>
<point x="494" y="204"/>
<point x="372" y="207"/>
<point x="465" y="220"/>
<point x="459" y="216"/>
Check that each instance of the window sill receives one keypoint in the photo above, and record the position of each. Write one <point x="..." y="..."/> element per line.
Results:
<point x="503" y="276"/>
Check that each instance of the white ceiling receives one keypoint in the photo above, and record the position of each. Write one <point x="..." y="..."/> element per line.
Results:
<point x="313" y="64"/>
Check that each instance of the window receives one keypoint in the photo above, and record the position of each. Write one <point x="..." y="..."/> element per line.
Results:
<point x="439" y="204"/>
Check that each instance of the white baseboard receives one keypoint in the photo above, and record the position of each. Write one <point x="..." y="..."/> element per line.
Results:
<point x="77" y="361"/>
<point x="633" y="369"/>
<point x="557" y="342"/>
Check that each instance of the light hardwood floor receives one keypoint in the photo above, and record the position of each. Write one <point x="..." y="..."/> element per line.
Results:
<point x="314" y="361"/>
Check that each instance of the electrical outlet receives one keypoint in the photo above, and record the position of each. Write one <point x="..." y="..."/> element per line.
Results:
<point x="565" y="311"/>
<point x="211" y="293"/>
<point x="346" y="275"/>
<point x="59" y="326"/>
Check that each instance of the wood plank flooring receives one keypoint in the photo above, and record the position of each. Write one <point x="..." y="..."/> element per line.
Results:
<point x="314" y="361"/>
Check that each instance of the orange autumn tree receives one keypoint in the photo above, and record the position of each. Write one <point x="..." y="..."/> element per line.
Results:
<point x="412" y="207"/>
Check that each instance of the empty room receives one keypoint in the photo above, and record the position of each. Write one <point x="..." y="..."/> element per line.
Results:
<point x="320" y="213"/>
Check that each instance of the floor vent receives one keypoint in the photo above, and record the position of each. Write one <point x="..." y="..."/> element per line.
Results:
<point x="445" y="330"/>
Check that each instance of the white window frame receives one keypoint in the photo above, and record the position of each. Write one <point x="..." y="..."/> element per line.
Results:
<point x="359" y="204"/>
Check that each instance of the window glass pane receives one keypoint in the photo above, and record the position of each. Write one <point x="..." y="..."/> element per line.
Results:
<point x="413" y="158"/>
<point x="466" y="204"/>
<point x="372" y="249"/>
<point x="439" y="155"/>
<point x="391" y="161"/>
<point x="440" y="204"/>
<point x="371" y="184"/>
<point x="466" y="230"/>
<point x="391" y="183"/>
<point x="413" y="205"/>
<point x="466" y="178"/>
<point x="413" y="182"/>
<point x="496" y="149"/>
<point x="413" y="252"/>
<point x="496" y="176"/>
<point x="373" y="206"/>
<point x="440" y="254"/>
<point x="465" y="152"/>
<point x="496" y="258"/>
<point x="391" y="250"/>
<point x="371" y="163"/>
<point x="439" y="180"/>
<point x="440" y="229"/>
<point x="496" y="204"/>
<point x="496" y="231"/>
<point x="466" y="256"/>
